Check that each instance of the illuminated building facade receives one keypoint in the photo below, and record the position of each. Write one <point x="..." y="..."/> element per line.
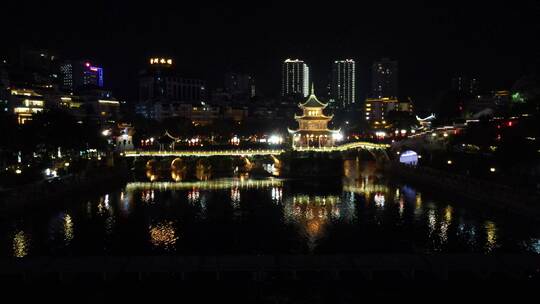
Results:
<point x="25" y="103"/>
<point x="313" y="129"/>
<point x="295" y="78"/>
<point x="384" y="77"/>
<point x="77" y="75"/>
<point x="343" y="86"/>
<point x="101" y="106"/>
<point x="376" y="109"/>
<point x="502" y="97"/>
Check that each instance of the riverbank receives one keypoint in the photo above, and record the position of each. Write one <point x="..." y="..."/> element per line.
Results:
<point x="503" y="198"/>
<point x="53" y="190"/>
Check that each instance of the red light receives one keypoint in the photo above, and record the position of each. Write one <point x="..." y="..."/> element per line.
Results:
<point x="509" y="123"/>
<point x="87" y="64"/>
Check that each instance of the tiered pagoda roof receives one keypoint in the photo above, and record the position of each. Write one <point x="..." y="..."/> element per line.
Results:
<point x="312" y="110"/>
<point x="311" y="103"/>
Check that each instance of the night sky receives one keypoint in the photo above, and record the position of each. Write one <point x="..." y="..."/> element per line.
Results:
<point x="496" y="43"/>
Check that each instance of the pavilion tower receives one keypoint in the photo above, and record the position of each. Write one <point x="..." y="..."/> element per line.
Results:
<point x="313" y="129"/>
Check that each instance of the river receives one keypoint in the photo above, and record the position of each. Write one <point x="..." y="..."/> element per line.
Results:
<point x="365" y="212"/>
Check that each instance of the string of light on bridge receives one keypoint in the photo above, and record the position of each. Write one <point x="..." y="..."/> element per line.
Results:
<point x="255" y="152"/>
<point x="205" y="185"/>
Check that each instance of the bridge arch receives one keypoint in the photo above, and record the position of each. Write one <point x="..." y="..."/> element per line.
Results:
<point x="178" y="164"/>
<point x="152" y="164"/>
<point x="203" y="169"/>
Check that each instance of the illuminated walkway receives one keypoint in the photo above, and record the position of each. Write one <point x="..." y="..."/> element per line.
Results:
<point x="256" y="152"/>
<point x="248" y="152"/>
<point x="349" y="146"/>
<point x="206" y="185"/>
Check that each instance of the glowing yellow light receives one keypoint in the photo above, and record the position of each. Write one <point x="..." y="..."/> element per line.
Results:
<point x="161" y="61"/>
<point x="163" y="235"/>
<point x="491" y="236"/>
<point x="492" y="169"/>
<point x="449" y="162"/>
<point x="109" y="101"/>
<point x="21" y="244"/>
<point x="68" y="229"/>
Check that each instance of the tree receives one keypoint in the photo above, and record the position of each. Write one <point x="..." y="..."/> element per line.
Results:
<point x="56" y="128"/>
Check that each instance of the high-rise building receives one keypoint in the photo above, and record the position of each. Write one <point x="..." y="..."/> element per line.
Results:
<point x="160" y="81"/>
<point x="465" y="86"/>
<point x="474" y="86"/>
<point x="163" y="92"/>
<point x="384" y="79"/>
<point x="31" y="66"/>
<point x="377" y="109"/>
<point x="77" y="75"/>
<point x="295" y="78"/>
<point x="4" y="85"/>
<point x="343" y="88"/>
<point x="240" y="87"/>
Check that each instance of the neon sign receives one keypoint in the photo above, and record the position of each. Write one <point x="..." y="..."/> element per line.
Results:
<point x="166" y="61"/>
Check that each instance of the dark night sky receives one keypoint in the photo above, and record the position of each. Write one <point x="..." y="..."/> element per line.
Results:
<point x="493" y="41"/>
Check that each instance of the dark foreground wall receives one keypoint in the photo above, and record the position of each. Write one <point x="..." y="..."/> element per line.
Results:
<point x="271" y="267"/>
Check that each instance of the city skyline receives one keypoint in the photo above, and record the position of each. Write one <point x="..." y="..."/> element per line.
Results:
<point x="269" y="152"/>
<point x="406" y="40"/>
<point x="343" y="83"/>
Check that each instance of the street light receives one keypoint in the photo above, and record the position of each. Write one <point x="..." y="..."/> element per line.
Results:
<point x="275" y="140"/>
<point x="337" y="136"/>
<point x="449" y="162"/>
<point x="492" y="169"/>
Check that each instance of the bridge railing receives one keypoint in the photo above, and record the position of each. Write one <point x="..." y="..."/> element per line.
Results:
<point x="205" y="153"/>
<point x="252" y="152"/>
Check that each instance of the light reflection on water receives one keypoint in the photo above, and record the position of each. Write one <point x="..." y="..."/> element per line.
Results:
<point x="491" y="236"/>
<point x="163" y="235"/>
<point x="21" y="244"/>
<point x="312" y="214"/>
<point x="61" y="229"/>
<point x="235" y="198"/>
<point x="534" y="244"/>
<point x="363" y="201"/>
